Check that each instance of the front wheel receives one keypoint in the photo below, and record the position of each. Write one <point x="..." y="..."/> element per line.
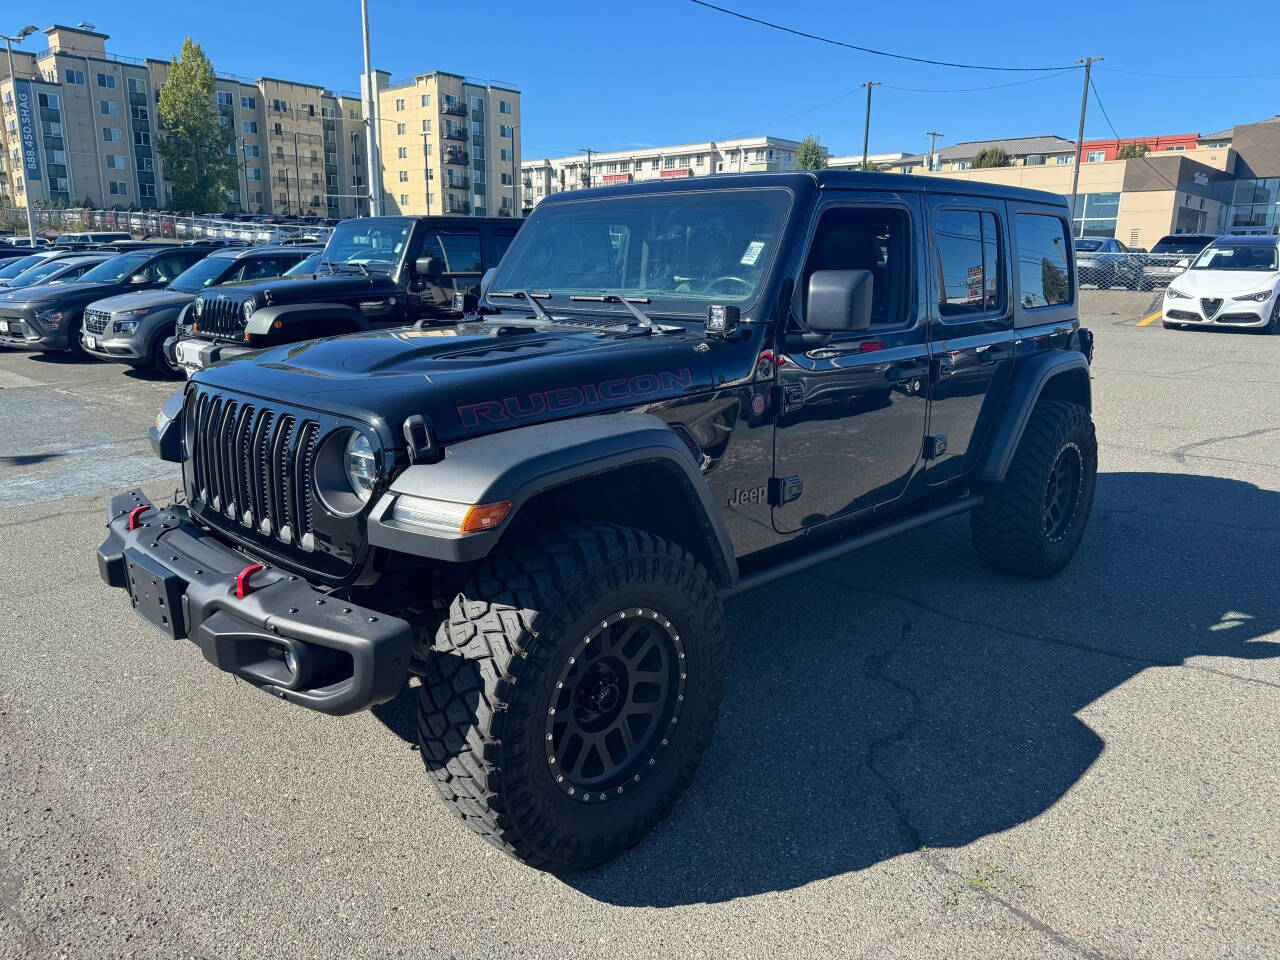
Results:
<point x="160" y="358"/>
<point x="571" y="692"/>
<point x="1031" y="524"/>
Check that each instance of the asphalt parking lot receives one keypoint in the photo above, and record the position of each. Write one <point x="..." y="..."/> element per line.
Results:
<point x="917" y="757"/>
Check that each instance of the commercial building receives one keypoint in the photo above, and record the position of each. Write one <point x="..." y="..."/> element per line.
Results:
<point x="1224" y="182"/>
<point x="600" y="168"/>
<point x="449" y="144"/>
<point x="875" y="161"/>
<point x="92" y="133"/>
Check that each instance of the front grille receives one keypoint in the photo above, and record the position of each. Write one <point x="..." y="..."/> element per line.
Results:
<point x="221" y="316"/>
<point x="1210" y="305"/>
<point x="95" y="321"/>
<point x="1182" y="315"/>
<point x="253" y="465"/>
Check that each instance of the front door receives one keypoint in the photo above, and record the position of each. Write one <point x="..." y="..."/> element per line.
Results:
<point x="972" y="341"/>
<point x="461" y="266"/>
<point x="852" y="413"/>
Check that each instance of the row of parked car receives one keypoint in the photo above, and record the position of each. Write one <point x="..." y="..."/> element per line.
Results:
<point x="179" y="307"/>
<point x="1105" y="262"/>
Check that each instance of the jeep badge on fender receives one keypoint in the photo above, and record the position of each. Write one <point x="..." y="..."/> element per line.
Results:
<point x="539" y="509"/>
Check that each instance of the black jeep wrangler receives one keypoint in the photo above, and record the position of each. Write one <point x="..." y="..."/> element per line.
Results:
<point x="669" y="393"/>
<point x="374" y="272"/>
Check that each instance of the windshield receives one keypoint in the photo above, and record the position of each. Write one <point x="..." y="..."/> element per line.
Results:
<point x="378" y="243"/>
<point x="1236" y="258"/>
<point x="1175" y="245"/>
<point x="117" y="269"/>
<point x="39" y="273"/>
<point x="1088" y="245"/>
<point x="200" y="274"/>
<point x="15" y="267"/>
<point x="307" y="266"/>
<point x="686" y="249"/>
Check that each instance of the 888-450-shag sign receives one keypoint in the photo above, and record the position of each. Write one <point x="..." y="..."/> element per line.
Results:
<point x="27" y="125"/>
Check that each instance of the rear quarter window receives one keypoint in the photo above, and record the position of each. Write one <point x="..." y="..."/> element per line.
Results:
<point x="1044" y="275"/>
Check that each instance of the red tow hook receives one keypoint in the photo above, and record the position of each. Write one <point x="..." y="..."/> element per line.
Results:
<point x="243" y="586"/>
<point x="135" y="513"/>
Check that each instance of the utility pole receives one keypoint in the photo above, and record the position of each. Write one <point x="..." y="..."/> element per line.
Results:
<point x="866" y="129"/>
<point x="426" y="170"/>
<point x="514" y="195"/>
<point x="1088" y="63"/>
<point x="586" y="176"/>
<point x="22" y="146"/>
<point x="371" y="120"/>
<point x="297" y="172"/>
<point x="933" y="136"/>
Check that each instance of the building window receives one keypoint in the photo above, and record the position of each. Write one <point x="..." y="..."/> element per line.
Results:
<point x="48" y="100"/>
<point x="107" y="80"/>
<point x="115" y="161"/>
<point x="505" y="130"/>
<point x="505" y="155"/>
<point x="404" y="200"/>
<point x="76" y="77"/>
<point x="141" y="138"/>
<point x="1175" y="148"/>
<point x="426" y="100"/>
<point x="136" y="85"/>
<point x="280" y="106"/>
<point x="399" y="105"/>
<point x="1035" y="160"/>
<point x="145" y="165"/>
<point x="668" y="163"/>
<point x="1097" y="216"/>
<point x="252" y="173"/>
<point x="111" y="134"/>
<point x="504" y="106"/>
<point x="402" y="152"/>
<point x="1095" y="156"/>
<point x="109" y="108"/>
<point x="117" y="188"/>
<point x="250" y="126"/>
<point x="224" y="98"/>
<point x="277" y="129"/>
<point x="404" y="176"/>
<point x="1064" y="158"/>
<point x="1042" y="240"/>
<point x="426" y="126"/>
<point x="400" y="128"/>
<point x="248" y="103"/>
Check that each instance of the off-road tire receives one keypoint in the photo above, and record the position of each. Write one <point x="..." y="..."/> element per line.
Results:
<point x="1011" y="528"/>
<point x="491" y="675"/>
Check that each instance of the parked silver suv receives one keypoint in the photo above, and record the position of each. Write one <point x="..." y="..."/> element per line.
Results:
<point x="132" y="327"/>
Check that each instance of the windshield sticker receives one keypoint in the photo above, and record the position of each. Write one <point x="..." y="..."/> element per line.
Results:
<point x="754" y="249"/>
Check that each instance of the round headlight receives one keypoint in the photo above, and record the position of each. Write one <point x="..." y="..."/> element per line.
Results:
<point x="362" y="469"/>
<point x="198" y="307"/>
<point x="249" y="307"/>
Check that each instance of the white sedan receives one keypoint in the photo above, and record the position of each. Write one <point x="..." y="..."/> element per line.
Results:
<point x="1233" y="282"/>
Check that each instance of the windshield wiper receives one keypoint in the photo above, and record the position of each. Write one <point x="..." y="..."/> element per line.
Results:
<point x="530" y="299"/>
<point x="642" y="319"/>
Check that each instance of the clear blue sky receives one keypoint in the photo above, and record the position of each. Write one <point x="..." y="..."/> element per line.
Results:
<point x="616" y="76"/>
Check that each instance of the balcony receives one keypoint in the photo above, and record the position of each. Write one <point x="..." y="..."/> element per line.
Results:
<point x="459" y="206"/>
<point x="458" y="183"/>
<point x="456" y="157"/>
<point x="455" y="108"/>
<point x="454" y="133"/>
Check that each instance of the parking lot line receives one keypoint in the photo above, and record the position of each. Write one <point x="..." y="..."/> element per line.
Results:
<point x="1145" y="321"/>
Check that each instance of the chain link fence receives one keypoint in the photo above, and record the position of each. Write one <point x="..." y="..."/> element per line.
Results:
<point x="145" y="224"/>
<point x="1100" y="265"/>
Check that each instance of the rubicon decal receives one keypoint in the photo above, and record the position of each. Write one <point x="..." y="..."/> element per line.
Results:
<point x="642" y="386"/>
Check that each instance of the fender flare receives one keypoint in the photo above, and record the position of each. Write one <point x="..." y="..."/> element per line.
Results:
<point x="1030" y="379"/>
<point x="519" y="464"/>
<point x="292" y="314"/>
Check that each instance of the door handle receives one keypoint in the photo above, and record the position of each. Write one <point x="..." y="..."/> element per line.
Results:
<point x="911" y="370"/>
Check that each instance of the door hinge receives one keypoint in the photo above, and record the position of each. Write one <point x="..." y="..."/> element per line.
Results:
<point x="934" y="447"/>
<point x="784" y="490"/>
<point x="792" y="396"/>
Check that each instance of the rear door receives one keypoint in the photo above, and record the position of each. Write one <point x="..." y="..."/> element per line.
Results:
<point x="972" y="345"/>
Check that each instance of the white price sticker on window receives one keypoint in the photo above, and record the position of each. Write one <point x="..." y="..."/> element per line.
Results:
<point x="754" y="249"/>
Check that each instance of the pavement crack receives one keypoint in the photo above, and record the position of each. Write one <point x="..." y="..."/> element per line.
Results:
<point x="1180" y="453"/>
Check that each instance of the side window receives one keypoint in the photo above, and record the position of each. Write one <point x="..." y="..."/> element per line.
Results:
<point x="166" y="268"/>
<point x="1045" y="278"/>
<point x="461" y="251"/>
<point x="876" y="239"/>
<point x="969" y="266"/>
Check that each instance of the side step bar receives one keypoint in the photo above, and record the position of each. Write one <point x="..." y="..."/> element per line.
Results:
<point x="795" y="565"/>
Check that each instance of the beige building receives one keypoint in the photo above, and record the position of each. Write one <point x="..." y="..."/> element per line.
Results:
<point x="449" y="144"/>
<point x="540" y="178"/>
<point x="93" y="131"/>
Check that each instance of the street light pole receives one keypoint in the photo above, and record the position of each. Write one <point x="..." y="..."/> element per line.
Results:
<point x="371" y="120"/>
<point x="297" y="171"/>
<point x="514" y="198"/>
<point x="22" y="146"/>
<point x="1088" y="63"/>
<point x="866" y="129"/>
<point x="426" y="170"/>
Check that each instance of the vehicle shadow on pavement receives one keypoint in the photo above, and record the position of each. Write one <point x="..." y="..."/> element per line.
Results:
<point x="908" y="697"/>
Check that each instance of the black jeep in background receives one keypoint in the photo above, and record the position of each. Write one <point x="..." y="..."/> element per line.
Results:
<point x="670" y="392"/>
<point x="375" y="272"/>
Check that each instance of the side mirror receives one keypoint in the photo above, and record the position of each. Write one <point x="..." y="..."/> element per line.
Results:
<point x="486" y="280"/>
<point x="428" y="268"/>
<point x="1184" y="263"/>
<point x="138" y="278"/>
<point x="838" y="301"/>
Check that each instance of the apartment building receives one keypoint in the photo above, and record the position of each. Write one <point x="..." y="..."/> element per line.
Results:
<point x="875" y="161"/>
<point x="540" y="178"/>
<point x="449" y="145"/>
<point x="92" y="134"/>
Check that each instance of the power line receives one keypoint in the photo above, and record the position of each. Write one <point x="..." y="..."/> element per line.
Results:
<point x="878" y="53"/>
<point x="1194" y="76"/>
<point x="994" y="86"/>
<point x="1098" y="100"/>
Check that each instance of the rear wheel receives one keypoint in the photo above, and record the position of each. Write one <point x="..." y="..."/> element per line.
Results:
<point x="569" y="696"/>
<point x="1031" y="524"/>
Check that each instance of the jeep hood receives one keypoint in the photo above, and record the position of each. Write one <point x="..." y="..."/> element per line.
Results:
<point x="472" y="378"/>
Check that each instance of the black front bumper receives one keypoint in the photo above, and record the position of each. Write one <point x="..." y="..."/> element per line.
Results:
<point x="183" y="580"/>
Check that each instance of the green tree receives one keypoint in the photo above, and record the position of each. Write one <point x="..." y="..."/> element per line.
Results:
<point x="1132" y="151"/>
<point x="991" y="157"/>
<point x="198" y="151"/>
<point x="810" y="155"/>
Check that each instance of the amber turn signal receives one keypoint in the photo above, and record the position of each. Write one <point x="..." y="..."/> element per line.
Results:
<point x="485" y="516"/>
